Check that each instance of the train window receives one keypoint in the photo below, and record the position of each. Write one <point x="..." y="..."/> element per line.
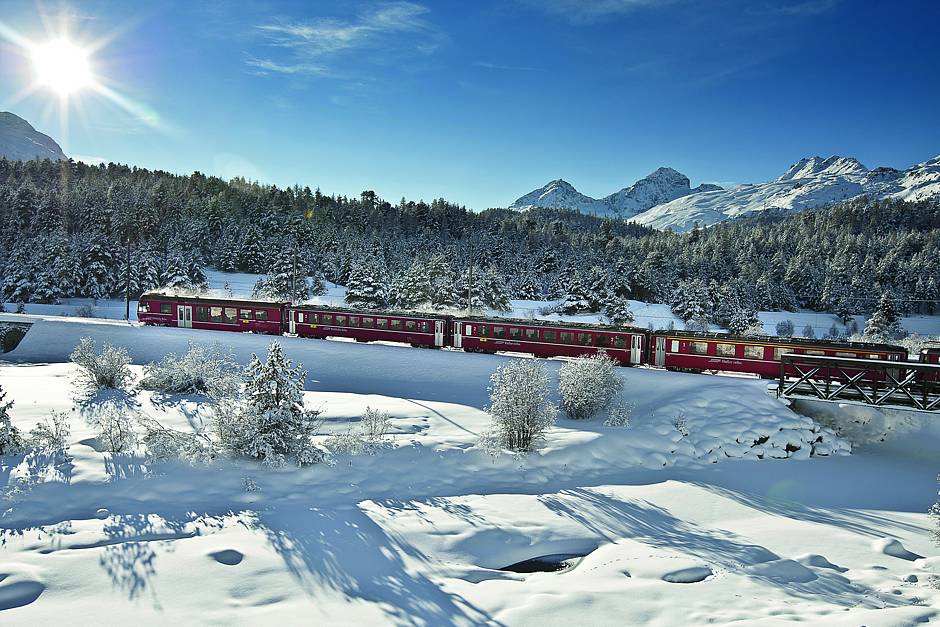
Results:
<point x="261" y="314"/>
<point x="341" y="321"/>
<point x="244" y="314"/>
<point x="602" y="341"/>
<point x="381" y="323"/>
<point x="483" y="330"/>
<point x="354" y="321"/>
<point x="202" y="314"/>
<point x="725" y="350"/>
<point x="532" y="334"/>
<point x="566" y="337"/>
<point x="231" y="315"/>
<point x="424" y="327"/>
<point x="143" y="307"/>
<point x="674" y="346"/>
<point x="698" y="348"/>
<point x="848" y="355"/>
<point x="874" y="356"/>
<point x="410" y="325"/>
<point x="326" y="318"/>
<point x="620" y="342"/>
<point x="754" y="352"/>
<point x="514" y="333"/>
<point x="812" y="351"/>
<point x="468" y="329"/>
<point x="499" y="331"/>
<point x="215" y="314"/>
<point x="780" y="351"/>
<point x="368" y="323"/>
<point x="299" y="316"/>
<point x="584" y="339"/>
<point x="166" y="308"/>
<point x="548" y="336"/>
<point x="396" y="325"/>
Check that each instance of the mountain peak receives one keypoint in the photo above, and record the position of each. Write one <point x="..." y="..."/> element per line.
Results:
<point x="21" y="142"/>
<point x="819" y="166"/>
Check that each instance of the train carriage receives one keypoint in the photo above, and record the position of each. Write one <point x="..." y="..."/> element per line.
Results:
<point x="549" y="339"/>
<point x="204" y="312"/>
<point x="700" y="352"/>
<point x="368" y="326"/>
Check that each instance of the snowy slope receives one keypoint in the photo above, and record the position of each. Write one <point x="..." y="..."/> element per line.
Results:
<point x="661" y="186"/>
<point x="418" y="534"/>
<point x="808" y="183"/>
<point x="20" y="141"/>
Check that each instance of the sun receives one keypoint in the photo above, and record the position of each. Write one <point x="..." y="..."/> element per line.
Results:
<point x="62" y="66"/>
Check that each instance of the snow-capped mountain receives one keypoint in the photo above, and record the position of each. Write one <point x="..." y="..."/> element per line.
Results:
<point x="808" y="183"/>
<point x="661" y="186"/>
<point x="20" y="141"/>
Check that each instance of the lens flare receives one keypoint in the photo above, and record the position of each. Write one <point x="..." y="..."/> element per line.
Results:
<point x="62" y="66"/>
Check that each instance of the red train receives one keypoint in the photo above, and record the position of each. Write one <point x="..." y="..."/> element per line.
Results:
<point x="672" y="350"/>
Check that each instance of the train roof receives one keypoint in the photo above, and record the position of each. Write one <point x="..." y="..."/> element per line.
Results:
<point x="430" y="315"/>
<point x="212" y="299"/>
<point x="767" y="339"/>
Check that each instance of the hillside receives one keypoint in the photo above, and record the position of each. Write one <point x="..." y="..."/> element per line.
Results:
<point x="20" y="141"/>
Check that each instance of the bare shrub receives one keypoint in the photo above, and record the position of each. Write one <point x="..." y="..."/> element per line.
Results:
<point x="588" y="384"/>
<point x="107" y="369"/>
<point x="201" y="370"/>
<point x="519" y="405"/>
<point x="52" y="433"/>
<point x="164" y="444"/>
<point x="366" y="438"/>
<point x="114" y="427"/>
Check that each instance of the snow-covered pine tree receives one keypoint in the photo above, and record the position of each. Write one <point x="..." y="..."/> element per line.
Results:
<point x="495" y="291"/>
<point x="527" y="285"/>
<point x="97" y="269"/>
<point x="272" y="424"/>
<point x="785" y="328"/>
<point x="885" y="323"/>
<point x="368" y="284"/>
<point x="470" y="285"/>
<point x="578" y="296"/>
<point x="809" y="331"/>
<point x="251" y="256"/>
<point x="175" y="273"/>
<point x="413" y="288"/>
<point x="443" y="283"/>
<point x="11" y="440"/>
<point x="598" y="287"/>
<point x="617" y="310"/>
<point x="520" y="405"/>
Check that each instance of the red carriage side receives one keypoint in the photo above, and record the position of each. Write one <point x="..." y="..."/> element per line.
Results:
<point x="368" y="326"/>
<point x="698" y="352"/>
<point x="549" y="339"/>
<point x="202" y="312"/>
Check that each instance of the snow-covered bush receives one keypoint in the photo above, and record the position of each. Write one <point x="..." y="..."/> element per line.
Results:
<point x="619" y="414"/>
<point x="588" y="384"/>
<point x="114" y="427"/>
<point x="519" y="405"/>
<point x="368" y="436"/>
<point x="270" y="423"/>
<point x="11" y="441"/>
<point x="51" y="435"/>
<point x="201" y="370"/>
<point x="785" y="328"/>
<point x="165" y="444"/>
<point x="107" y="369"/>
<point x="809" y="331"/>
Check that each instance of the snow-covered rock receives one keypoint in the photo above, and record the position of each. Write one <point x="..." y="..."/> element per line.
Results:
<point x="20" y="141"/>
<point x="661" y="186"/>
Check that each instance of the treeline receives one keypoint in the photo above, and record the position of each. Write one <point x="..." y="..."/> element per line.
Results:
<point x="69" y="229"/>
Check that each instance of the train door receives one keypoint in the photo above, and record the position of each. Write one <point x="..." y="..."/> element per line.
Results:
<point x="438" y="332"/>
<point x="292" y="317"/>
<point x="184" y="316"/>
<point x="458" y="336"/>
<point x="636" y="349"/>
<point x="660" y="358"/>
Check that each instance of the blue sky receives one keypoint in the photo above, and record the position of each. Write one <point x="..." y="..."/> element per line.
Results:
<point x="480" y="102"/>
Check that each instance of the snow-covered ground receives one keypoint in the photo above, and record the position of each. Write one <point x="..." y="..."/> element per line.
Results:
<point x="673" y="529"/>
<point x="656" y="316"/>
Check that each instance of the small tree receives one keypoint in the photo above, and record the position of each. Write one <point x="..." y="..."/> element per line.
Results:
<point x="588" y="385"/>
<point x="785" y="328"/>
<point x="809" y="331"/>
<point x="107" y="369"/>
<point x="520" y="405"/>
<point x="11" y="441"/>
<point x="885" y="324"/>
<point x="271" y="424"/>
<point x="617" y="310"/>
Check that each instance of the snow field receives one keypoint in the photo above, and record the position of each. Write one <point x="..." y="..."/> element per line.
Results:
<point x="418" y="533"/>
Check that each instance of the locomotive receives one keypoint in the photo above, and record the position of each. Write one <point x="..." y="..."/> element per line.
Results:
<point x="687" y="351"/>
